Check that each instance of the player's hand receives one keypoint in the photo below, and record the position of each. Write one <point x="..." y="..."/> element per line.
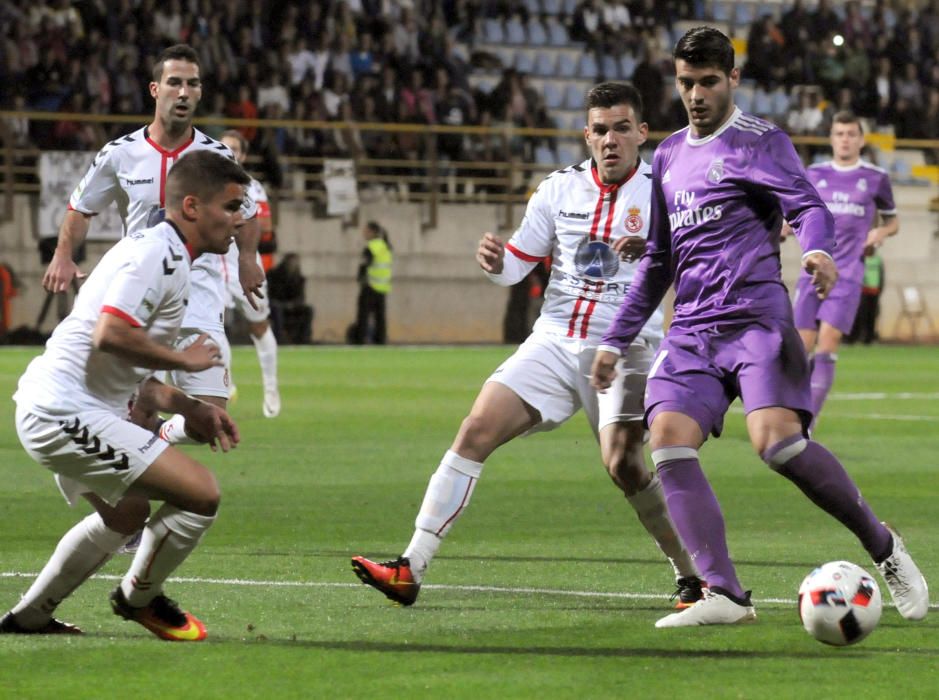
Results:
<point x="251" y="276"/>
<point x="603" y="371"/>
<point x="211" y="425"/>
<point x="786" y="231"/>
<point x="873" y="241"/>
<point x="630" y="248"/>
<point x="60" y="273"/>
<point x="823" y="271"/>
<point x="202" y="354"/>
<point x="490" y="253"/>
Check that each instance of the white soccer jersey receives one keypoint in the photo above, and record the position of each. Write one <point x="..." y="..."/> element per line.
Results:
<point x="574" y="219"/>
<point x="144" y="279"/>
<point x="131" y="171"/>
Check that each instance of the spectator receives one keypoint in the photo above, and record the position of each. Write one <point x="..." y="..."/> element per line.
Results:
<point x="361" y="59"/>
<point x="273" y="92"/>
<point x="243" y="107"/>
<point x="291" y="316"/>
<point x="302" y="61"/>
<point x="807" y="118"/>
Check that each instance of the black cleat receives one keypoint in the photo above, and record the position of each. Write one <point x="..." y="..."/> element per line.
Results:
<point x="688" y="591"/>
<point x="9" y="625"/>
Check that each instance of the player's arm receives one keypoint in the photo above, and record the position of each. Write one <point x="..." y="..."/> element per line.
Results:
<point x="250" y="274"/>
<point x="777" y="167"/>
<point x="889" y="226"/>
<point x="205" y="422"/>
<point x="509" y="263"/>
<point x="646" y="291"/>
<point x="62" y="269"/>
<point x="118" y="333"/>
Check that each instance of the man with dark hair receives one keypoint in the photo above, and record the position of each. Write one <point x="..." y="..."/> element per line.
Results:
<point x="720" y="190"/>
<point x="131" y="171"/>
<point x="591" y="218"/>
<point x="857" y="193"/>
<point x="71" y="403"/>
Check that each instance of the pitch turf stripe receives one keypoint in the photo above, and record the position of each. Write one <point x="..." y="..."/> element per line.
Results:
<point x="429" y="587"/>
<point x="834" y="413"/>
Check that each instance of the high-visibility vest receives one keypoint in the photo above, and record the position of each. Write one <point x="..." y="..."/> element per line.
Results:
<point x="379" y="272"/>
<point x="873" y="274"/>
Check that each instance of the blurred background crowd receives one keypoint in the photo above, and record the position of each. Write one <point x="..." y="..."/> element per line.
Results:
<point x="458" y="62"/>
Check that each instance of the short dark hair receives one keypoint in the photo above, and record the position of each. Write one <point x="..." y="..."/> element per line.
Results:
<point x="706" y="46"/>
<point x="239" y="137"/>
<point x="846" y="116"/>
<point x="610" y="94"/>
<point x="203" y="174"/>
<point x="177" y="52"/>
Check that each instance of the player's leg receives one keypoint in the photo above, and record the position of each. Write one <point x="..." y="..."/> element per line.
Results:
<point x="265" y="344"/>
<point x="212" y="385"/>
<point x="525" y="392"/>
<point x="190" y="496"/>
<point x="777" y="435"/>
<point x="97" y="456"/>
<point x="497" y="416"/>
<point x="823" y="365"/>
<point x="618" y="414"/>
<point x="81" y="552"/>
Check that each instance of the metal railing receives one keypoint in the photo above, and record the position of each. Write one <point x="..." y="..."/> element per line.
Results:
<point x="503" y="176"/>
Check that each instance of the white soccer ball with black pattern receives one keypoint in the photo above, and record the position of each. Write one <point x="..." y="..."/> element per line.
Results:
<point x="839" y="603"/>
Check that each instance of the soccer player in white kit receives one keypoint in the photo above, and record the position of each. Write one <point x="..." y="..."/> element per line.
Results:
<point x="259" y="326"/>
<point x="131" y="171"/>
<point x="591" y="219"/>
<point x="72" y="399"/>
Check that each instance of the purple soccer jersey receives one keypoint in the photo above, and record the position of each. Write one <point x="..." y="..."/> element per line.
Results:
<point x="853" y="195"/>
<point x="717" y="209"/>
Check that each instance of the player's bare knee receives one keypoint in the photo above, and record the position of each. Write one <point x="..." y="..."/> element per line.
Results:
<point x="477" y="437"/>
<point x="627" y="468"/>
<point x="128" y="516"/>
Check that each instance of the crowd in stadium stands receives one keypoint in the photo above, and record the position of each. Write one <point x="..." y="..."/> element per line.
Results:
<point x="418" y="61"/>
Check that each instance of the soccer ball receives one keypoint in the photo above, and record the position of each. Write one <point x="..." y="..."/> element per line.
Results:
<point x="839" y="603"/>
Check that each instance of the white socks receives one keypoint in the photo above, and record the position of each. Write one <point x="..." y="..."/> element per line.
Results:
<point x="266" y="347"/>
<point x="80" y="553"/>
<point x="447" y="496"/>
<point x="649" y="505"/>
<point x="173" y="430"/>
<point x="169" y="537"/>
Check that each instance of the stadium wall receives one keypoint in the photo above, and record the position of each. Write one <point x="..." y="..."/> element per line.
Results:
<point x="439" y="295"/>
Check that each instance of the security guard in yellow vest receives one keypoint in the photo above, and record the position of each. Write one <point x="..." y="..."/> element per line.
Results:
<point x="374" y="286"/>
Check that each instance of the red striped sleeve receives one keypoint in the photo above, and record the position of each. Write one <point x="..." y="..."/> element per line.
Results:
<point x="524" y="256"/>
<point x="114" y="311"/>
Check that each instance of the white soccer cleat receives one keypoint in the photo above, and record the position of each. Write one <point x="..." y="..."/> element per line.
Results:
<point x="271" y="403"/>
<point x="713" y="609"/>
<point x="904" y="580"/>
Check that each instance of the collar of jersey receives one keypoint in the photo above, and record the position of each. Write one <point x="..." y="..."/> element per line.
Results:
<point x="163" y="151"/>
<point x="186" y="244"/>
<point x="692" y="141"/>
<point x="616" y="185"/>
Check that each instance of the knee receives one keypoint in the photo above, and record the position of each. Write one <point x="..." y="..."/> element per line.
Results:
<point x="476" y="437"/>
<point x="128" y="516"/>
<point x="627" y="467"/>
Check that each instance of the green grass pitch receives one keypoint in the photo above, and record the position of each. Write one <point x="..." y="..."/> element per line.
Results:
<point x="546" y="588"/>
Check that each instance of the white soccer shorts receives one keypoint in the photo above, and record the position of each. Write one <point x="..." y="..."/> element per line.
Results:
<point x="552" y="374"/>
<point x="214" y="381"/>
<point x="94" y="451"/>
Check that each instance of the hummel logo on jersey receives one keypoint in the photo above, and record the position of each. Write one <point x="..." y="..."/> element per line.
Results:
<point x="667" y="177"/>
<point x="573" y="215"/>
<point x="143" y="181"/>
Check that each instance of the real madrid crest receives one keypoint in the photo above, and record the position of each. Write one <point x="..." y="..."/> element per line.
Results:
<point x="633" y="220"/>
<point x="715" y="171"/>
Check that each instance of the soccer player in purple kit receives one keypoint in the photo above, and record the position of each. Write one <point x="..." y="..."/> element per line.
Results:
<point x="857" y="193"/>
<point x="721" y="188"/>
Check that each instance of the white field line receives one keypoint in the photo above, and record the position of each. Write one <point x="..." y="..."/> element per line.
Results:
<point x="877" y="396"/>
<point x="439" y="587"/>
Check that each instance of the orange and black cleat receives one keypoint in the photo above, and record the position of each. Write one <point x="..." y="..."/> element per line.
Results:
<point x="393" y="578"/>
<point x="161" y="616"/>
